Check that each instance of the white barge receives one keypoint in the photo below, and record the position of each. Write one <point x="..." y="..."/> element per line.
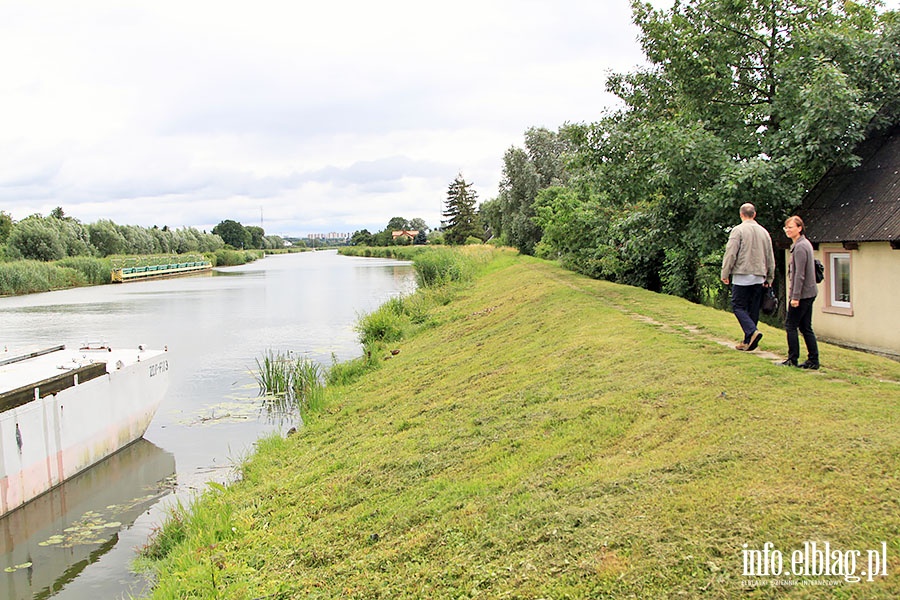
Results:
<point x="63" y="410"/>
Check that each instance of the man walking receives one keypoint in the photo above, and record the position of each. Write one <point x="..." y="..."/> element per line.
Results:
<point x="749" y="265"/>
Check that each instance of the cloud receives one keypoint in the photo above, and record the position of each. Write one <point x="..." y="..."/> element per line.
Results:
<point x="329" y="116"/>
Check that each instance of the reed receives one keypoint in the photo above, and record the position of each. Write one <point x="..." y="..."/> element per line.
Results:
<point x="442" y="266"/>
<point x="224" y="257"/>
<point x="290" y="383"/>
<point x="32" y="276"/>
<point x="96" y="271"/>
<point x="397" y="252"/>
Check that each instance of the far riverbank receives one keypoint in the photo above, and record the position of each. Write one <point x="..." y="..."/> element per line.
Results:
<point x="33" y="276"/>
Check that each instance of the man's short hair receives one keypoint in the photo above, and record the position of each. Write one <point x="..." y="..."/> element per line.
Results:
<point x="748" y="210"/>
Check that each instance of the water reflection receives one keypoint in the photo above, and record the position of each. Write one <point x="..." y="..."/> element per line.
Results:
<point x="49" y="541"/>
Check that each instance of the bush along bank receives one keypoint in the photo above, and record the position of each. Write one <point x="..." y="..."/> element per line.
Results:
<point x="542" y="434"/>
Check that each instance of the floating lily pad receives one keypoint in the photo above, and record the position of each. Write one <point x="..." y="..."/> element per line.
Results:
<point x="53" y="540"/>
<point x="17" y="567"/>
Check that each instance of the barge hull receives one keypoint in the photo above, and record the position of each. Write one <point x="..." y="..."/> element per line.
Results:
<point x="56" y="435"/>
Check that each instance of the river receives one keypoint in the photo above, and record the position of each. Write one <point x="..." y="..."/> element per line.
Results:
<point x="81" y="538"/>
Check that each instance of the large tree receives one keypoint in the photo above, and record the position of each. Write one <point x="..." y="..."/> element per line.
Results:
<point x="525" y="172"/>
<point x="745" y="100"/>
<point x="460" y="212"/>
<point x="234" y="234"/>
<point x="418" y="224"/>
<point x="6" y="226"/>
<point x="257" y="236"/>
<point x="361" y="237"/>
<point x="36" y="238"/>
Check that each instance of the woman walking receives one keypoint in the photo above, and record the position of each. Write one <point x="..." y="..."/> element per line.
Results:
<point x="802" y="293"/>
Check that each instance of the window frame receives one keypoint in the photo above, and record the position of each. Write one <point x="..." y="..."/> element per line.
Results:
<point x="832" y="304"/>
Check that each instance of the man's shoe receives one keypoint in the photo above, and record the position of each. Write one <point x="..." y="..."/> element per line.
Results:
<point x="754" y="340"/>
<point x="787" y="363"/>
<point x="810" y="365"/>
<point x="742" y="347"/>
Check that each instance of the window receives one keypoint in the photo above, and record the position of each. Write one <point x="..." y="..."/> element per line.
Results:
<point x="837" y="282"/>
<point x="840" y="280"/>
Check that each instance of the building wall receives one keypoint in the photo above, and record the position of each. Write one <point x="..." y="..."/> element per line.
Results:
<point x="873" y="318"/>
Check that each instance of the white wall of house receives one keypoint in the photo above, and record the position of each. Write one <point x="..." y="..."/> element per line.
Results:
<point x="862" y="310"/>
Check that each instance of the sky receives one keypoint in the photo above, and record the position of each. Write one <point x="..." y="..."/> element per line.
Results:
<point x="302" y="117"/>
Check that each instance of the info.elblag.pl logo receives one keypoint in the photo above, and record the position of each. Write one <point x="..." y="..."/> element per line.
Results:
<point x="814" y="559"/>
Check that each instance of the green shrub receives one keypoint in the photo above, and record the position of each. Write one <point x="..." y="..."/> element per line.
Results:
<point x="225" y="257"/>
<point x="414" y="308"/>
<point x="441" y="266"/>
<point x="95" y="270"/>
<point x="383" y="325"/>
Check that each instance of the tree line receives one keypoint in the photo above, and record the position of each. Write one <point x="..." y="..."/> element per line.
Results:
<point x="385" y="237"/>
<point x="742" y="101"/>
<point x="59" y="236"/>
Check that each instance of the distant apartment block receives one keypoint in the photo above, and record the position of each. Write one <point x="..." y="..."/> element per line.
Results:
<point x="330" y="237"/>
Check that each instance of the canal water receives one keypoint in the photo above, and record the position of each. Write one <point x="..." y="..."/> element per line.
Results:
<point x="78" y="541"/>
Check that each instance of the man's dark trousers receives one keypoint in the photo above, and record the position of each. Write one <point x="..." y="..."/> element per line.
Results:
<point x="745" y="302"/>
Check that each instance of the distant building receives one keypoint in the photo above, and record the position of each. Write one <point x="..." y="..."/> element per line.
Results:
<point x="337" y="238"/>
<point x="411" y="234"/>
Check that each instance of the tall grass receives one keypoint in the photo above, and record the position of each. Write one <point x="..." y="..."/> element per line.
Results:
<point x="223" y="257"/>
<point x="96" y="271"/>
<point x="442" y="266"/>
<point x="206" y="527"/>
<point x="383" y="325"/>
<point x="290" y="383"/>
<point x="347" y="372"/>
<point x="397" y="252"/>
<point x="31" y="276"/>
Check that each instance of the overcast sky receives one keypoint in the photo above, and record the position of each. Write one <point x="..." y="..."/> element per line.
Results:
<point x="303" y="116"/>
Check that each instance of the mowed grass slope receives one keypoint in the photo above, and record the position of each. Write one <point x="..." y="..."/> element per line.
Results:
<point x="551" y="436"/>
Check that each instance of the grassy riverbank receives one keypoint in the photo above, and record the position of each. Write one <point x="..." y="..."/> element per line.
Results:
<point x="545" y="435"/>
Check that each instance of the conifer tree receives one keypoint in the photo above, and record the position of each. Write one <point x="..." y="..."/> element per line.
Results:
<point x="460" y="212"/>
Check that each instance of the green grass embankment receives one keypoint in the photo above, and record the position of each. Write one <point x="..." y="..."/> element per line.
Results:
<point x="544" y="435"/>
